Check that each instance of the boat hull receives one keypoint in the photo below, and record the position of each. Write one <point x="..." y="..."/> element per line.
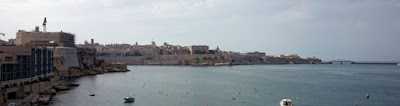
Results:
<point x="129" y="100"/>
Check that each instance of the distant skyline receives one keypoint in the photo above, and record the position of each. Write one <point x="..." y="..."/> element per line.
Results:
<point x="359" y="30"/>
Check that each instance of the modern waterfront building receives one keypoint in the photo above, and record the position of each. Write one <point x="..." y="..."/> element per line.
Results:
<point x="20" y="65"/>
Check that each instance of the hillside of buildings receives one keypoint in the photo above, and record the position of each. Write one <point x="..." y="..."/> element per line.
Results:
<point x="168" y="54"/>
<point x="34" y="65"/>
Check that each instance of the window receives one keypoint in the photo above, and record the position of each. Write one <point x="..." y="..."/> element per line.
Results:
<point x="8" y="59"/>
<point x="3" y="77"/>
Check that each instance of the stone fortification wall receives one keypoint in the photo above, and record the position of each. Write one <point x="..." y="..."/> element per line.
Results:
<point x="207" y="59"/>
<point x="165" y="59"/>
<point x="66" y="57"/>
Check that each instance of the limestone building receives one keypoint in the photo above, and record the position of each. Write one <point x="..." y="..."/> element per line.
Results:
<point x="61" y="43"/>
<point x="38" y="38"/>
<point x="256" y="54"/>
<point x="198" y="49"/>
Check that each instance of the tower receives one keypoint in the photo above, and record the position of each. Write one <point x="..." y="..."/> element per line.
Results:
<point x="153" y="43"/>
<point x="92" y="44"/>
<point x="44" y="24"/>
<point x="37" y="29"/>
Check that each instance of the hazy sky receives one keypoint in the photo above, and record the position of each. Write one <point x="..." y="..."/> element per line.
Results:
<point x="329" y="29"/>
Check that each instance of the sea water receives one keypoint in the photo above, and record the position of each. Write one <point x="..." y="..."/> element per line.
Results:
<point x="243" y="85"/>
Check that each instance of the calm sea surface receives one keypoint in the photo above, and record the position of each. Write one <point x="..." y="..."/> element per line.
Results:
<point x="250" y="85"/>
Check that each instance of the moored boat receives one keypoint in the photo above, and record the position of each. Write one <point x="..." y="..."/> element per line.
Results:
<point x="91" y="94"/>
<point x="129" y="99"/>
<point x="286" y="102"/>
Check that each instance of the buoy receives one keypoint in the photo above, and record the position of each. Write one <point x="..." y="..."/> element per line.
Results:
<point x="297" y="98"/>
<point x="367" y="95"/>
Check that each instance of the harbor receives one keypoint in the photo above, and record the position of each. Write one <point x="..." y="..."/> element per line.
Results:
<point x="199" y="53"/>
<point x="254" y="85"/>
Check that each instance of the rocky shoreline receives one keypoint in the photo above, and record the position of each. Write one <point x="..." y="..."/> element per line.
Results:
<point x="208" y="60"/>
<point x="45" y="97"/>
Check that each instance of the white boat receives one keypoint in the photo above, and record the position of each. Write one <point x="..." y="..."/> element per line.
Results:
<point x="91" y="94"/>
<point x="12" y="104"/>
<point x="398" y="64"/>
<point x="286" y="102"/>
<point x="129" y="99"/>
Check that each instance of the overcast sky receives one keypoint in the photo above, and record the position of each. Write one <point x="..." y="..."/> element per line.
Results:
<point x="361" y="30"/>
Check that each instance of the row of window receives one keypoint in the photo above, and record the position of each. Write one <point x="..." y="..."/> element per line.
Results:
<point x="38" y="63"/>
<point x="9" y="74"/>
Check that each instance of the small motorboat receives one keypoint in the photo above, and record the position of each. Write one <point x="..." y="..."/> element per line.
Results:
<point x="12" y="104"/>
<point x="91" y="94"/>
<point x="286" y="102"/>
<point x="129" y="99"/>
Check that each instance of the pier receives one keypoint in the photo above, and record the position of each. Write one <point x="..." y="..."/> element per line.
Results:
<point x="342" y="61"/>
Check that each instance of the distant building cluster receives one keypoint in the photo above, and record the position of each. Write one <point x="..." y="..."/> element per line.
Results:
<point x="146" y="50"/>
<point x="287" y="56"/>
<point x="168" y="54"/>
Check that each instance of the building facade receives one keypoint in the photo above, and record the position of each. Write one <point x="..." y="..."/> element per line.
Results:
<point x="198" y="49"/>
<point x="21" y="65"/>
<point x="290" y="56"/>
<point x="38" y="38"/>
<point x="256" y="54"/>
